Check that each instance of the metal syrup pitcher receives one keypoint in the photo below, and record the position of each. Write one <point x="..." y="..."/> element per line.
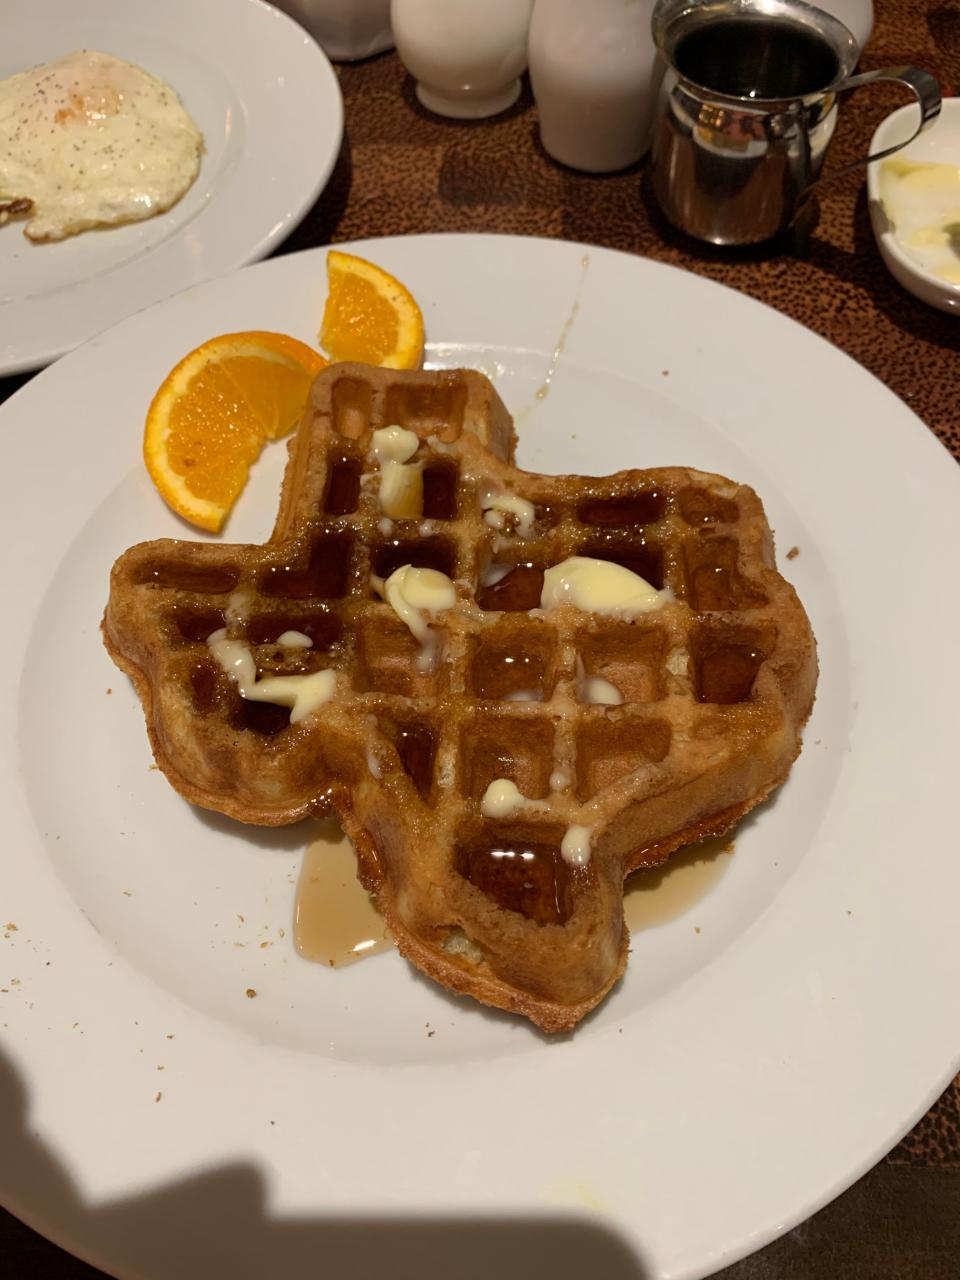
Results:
<point x="747" y="108"/>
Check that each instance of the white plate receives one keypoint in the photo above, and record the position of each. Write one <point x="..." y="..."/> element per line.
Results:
<point x="940" y="144"/>
<point x="763" y="1050"/>
<point x="268" y="104"/>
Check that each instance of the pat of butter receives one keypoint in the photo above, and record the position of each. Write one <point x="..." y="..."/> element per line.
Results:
<point x="575" y="846"/>
<point x="401" y="482"/>
<point x="497" y="505"/>
<point x="294" y="640"/>
<point x="401" y="491"/>
<point x="411" y="593"/>
<point x="922" y="201"/>
<point x="502" y="798"/>
<point x="599" y="691"/>
<point x="302" y="694"/>
<point x="394" y="444"/>
<point x="600" y="586"/>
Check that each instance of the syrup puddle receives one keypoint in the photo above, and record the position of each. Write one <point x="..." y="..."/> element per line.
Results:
<point x="335" y="923"/>
<point x="664" y="893"/>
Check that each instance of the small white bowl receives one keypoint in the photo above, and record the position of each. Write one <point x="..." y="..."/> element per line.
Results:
<point x="940" y="144"/>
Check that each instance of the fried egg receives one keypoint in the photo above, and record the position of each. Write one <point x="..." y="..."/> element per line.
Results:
<point x="91" y="141"/>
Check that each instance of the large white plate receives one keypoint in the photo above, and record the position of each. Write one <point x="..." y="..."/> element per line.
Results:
<point x="268" y="104"/>
<point x="763" y="1050"/>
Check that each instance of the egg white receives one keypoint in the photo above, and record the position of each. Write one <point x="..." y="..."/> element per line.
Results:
<point x="91" y="141"/>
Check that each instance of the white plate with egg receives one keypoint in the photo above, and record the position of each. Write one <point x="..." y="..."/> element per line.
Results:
<point x="915" y="204"/>
<point x="95" y="144"/>
<point x="185" y="1096"/>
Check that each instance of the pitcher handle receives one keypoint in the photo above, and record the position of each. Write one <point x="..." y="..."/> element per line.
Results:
<point x="921" y="84"/>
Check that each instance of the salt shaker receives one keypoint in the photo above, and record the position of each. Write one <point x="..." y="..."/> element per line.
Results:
<point x="593" y="72"/>
<point x="467" y="57"/>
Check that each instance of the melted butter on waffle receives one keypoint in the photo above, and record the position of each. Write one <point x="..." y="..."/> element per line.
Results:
<point x="602" y="692"/>
<point x="575" y="845"/>
<point x="294" y="640"/>
<point x="600" y="586"/>
<point x="497" y="505"/>
<point x="401" y="481"/>
<point x="502" y="798"/>
<point x="302" y="694"/>
<point x="411" y="593"/>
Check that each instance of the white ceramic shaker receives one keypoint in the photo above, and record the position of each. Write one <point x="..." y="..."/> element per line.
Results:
<point x="344" y="29"/>
<point x="856" y="16"/>
<point x="467" y="56"/>
<point x="593" y="72"/>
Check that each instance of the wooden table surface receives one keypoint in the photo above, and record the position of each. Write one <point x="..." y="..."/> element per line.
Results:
<point x="402" y="171"/>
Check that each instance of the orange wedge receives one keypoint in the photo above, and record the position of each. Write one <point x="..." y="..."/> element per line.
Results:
<point x="370" y="317"/>
<point x="213" y="414"/>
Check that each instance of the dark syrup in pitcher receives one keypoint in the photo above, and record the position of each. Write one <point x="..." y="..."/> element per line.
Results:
<point x="751" y="57"/>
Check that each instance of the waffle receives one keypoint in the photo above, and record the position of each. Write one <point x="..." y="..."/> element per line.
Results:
<point x="715" y="684"/>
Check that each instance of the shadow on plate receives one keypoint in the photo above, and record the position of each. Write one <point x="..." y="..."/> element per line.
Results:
<point x="293" y="838"/>
<point x="218" y="1223"/>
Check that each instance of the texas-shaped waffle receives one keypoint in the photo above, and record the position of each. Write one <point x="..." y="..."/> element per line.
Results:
<point x="715" y="684"/>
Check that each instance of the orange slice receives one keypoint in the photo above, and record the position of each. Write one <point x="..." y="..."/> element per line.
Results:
<point x="370" y="317"/>
<point x="213" y="414"/>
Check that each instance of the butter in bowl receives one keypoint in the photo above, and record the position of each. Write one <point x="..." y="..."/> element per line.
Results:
<point x="914" y="199"/>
